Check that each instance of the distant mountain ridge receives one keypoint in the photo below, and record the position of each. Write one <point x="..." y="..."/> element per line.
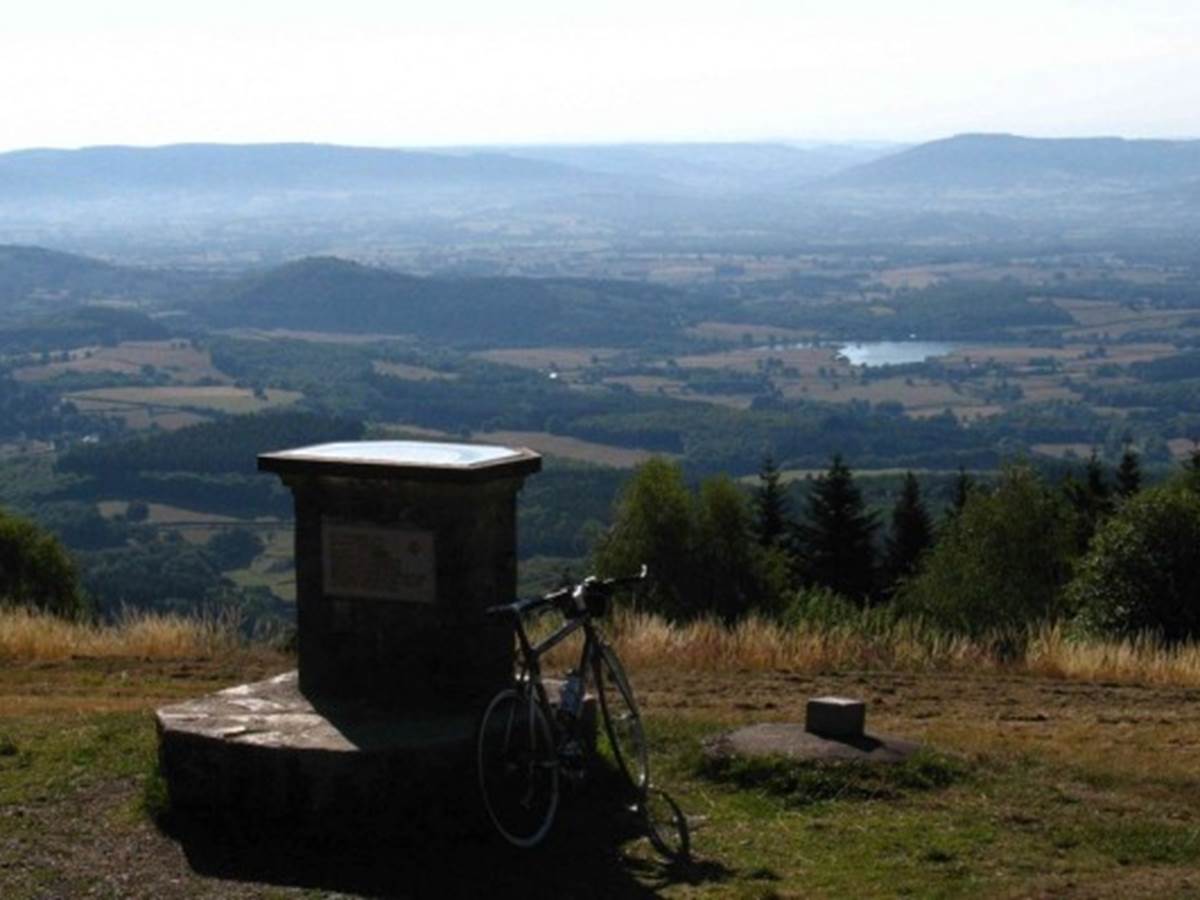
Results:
<point x="220" y="167"/>
<point x="237" y="204"/>
<point x="710" y="167"/>
<point x="998" y="161"/>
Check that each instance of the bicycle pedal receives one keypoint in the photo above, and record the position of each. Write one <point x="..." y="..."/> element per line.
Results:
<point x="574" y="763"/>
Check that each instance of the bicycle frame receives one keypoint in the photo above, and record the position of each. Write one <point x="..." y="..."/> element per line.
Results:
<point x="531" y="655"/>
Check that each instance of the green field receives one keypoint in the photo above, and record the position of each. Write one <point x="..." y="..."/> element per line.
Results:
<point x="176" y="406"/>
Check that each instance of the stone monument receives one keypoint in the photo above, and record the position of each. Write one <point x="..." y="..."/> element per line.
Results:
<point x="399" y="546"/>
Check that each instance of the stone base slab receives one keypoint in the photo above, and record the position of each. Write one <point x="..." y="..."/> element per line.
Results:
<point x="266" y="751"/>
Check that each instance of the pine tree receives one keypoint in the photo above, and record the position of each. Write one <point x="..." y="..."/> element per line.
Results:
<point x="1191" y="468"/>
<point x="835" y="541"/>
<point x="1097" y="485"/>
<point x="912" y="531"/>
<point x="1091" y="499"/>
<point x="1129" y="474"/>
<point x="964" y="485"/>
<point x="770" y="505"/>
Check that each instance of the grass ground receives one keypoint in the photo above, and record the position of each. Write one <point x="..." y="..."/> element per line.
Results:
<point x="218" y="398"/>
<point x="1033" y="786"/>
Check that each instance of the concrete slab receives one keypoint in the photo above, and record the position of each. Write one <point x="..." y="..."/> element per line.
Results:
<point x="274" y="714"/>
<point x="791" y="739"/>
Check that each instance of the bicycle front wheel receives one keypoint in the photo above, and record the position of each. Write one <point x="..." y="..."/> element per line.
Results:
<point x="622" y="722"/>
<point x="518" y="768"/>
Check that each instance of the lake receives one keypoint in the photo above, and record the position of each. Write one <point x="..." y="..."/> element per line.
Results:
<point x="894" y="353"/>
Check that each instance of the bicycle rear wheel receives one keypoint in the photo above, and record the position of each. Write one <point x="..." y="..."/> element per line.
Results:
<point x="622" y="722"/>
<point x="518" y="768"/>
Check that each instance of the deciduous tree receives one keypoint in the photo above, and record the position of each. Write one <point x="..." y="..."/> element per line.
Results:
<point x="35" y="570"/>
<point x="1001" y="564"/>
<point x="1143" y="570"/>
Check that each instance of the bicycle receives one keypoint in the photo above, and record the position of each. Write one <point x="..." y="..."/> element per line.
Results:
<point x="525" y="743"/>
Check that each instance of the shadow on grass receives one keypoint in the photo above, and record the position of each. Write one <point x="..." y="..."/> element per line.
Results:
<point x="800" y="782"/>
<point x="442" y="847"/>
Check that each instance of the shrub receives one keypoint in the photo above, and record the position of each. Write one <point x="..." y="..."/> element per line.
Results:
<point x="1142" y="572"/>
<point x="234" y="548"/>
<point x="1000" y="565"/>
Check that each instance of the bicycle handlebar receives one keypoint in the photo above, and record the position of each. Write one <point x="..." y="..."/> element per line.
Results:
<point x="588" y="585"/>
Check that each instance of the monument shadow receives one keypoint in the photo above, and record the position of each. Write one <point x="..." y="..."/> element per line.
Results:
<point x="440" y="845"/>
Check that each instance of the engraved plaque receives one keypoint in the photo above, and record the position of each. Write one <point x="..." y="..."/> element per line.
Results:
<point x="380" y="563"/>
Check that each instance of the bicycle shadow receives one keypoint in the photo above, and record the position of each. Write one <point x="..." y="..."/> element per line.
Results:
<point x="442" y="848"/>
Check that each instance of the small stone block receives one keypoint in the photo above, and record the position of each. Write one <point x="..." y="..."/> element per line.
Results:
<point x="836" y="716"/>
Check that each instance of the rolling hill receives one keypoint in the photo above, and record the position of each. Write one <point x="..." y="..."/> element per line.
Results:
<point x="330" y="294"/>
<point x="39" y="280"/>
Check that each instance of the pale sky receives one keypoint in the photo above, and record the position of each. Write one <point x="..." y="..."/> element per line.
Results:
<point x="442" y="72"/>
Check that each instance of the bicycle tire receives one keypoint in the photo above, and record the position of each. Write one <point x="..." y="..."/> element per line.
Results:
<point x="666" y="825"/>
<point x="622" y="721"/>
<point x="517" y="767"/>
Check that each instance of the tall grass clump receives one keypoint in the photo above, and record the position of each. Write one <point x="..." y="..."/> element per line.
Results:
<point x="854" y="639"/>
<point x="31" y="635"/>
<point x="1147" y="658"/>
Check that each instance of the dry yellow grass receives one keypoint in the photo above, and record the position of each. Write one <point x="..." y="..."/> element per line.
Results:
<point x="648" y="642"/>
<point x="762" y="645"/>
<point x="34" y="636"/>
<point x="1144" y="659"/>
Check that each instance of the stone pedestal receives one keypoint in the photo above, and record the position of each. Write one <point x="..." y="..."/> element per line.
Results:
<point x="400" y="546"/>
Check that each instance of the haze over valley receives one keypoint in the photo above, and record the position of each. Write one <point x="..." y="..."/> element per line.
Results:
<point x="709" y="302"/>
